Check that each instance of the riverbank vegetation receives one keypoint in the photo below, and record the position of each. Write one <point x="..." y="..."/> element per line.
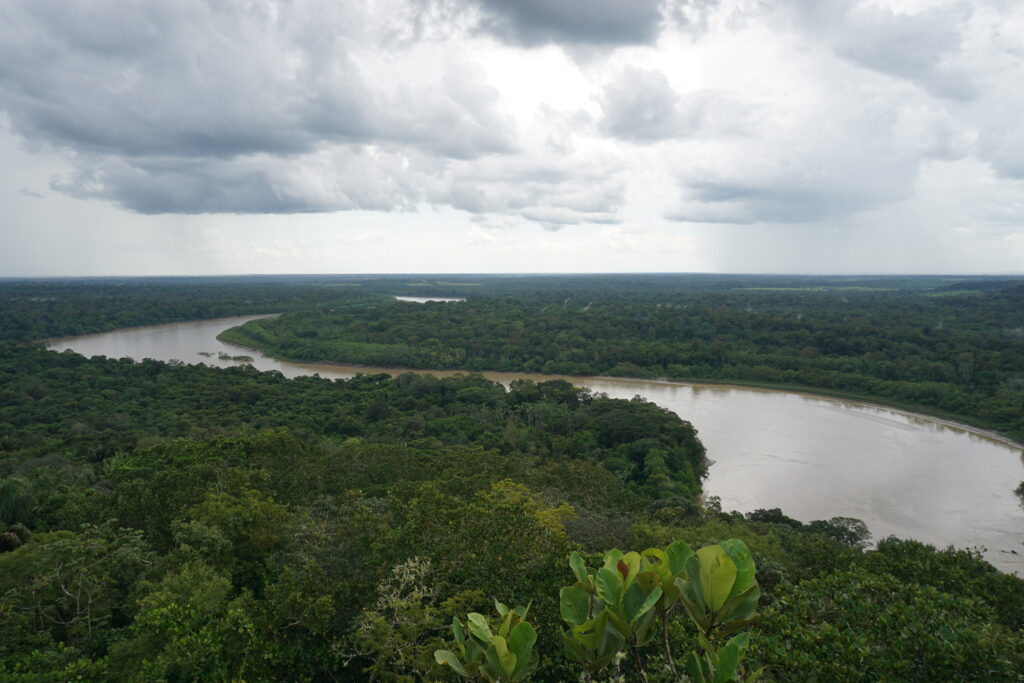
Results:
<point x="41" y="309"/>
<point x="164" y="521"/>
<point x="952" y="348"/>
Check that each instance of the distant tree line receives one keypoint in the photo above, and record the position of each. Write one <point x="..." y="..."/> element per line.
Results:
<point x="959" y="352"/>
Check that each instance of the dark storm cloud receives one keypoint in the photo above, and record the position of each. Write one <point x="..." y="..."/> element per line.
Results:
<point x="165" y="96"/>
<point x="183" y="189"/>
<point x="590" y="22"/>
<point x="720" y="202"/>
<point x="345" y="179"/>
<point x="161" y="78"/>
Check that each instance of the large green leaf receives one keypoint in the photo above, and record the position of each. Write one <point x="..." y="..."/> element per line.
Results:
<point x="460" y="636"/>
<point x="579" y="568"/>
<point x="478" y="626"/>
<point x="628" y="567"/>
<point x="595" y="643"/>
<point x="717" y="576"/>
<point x="656" y="562"/>
<point x="697" y="668"/>
<point x="620" y="625"/>
<point x="506" y="624"/>
<point x="690" y="593"/>
<point x="474" y="651"/>
<point x="500" y="658"/>
<point x="573" y="648"/>
<point x="649" y="602"/>
<point x="611" y="558"/>
<point x="523" y="610"/>
<point x="609" y="587"/>
<point x="591" y="633"/>
<point x="574" y="605"/>
<point x="740" y="555"/>
<point x="678" y="552"/>
<point x="521" y="643"/>
<point x="655" y="557"/>
<point x="729" y="658"/>
<point x="599" y="635"/>
<point x="448" y="658"/>
<point x="742" y="605"/>
<point x="658" y="565"/>
<point x="648" y="581"/>
<point x="636" y="602"/>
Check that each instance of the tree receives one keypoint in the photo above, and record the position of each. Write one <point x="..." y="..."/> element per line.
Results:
<point x="16" y="502"/>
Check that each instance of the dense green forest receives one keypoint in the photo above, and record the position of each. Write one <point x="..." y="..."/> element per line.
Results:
<point x="162" y="521"/>
<point x="40" y="309"/>
<point x="953" y="348"/>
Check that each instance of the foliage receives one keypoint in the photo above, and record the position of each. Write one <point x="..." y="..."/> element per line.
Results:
<point x="190" y="626"/>
<point x="72" y="589"/>
<point x="951" y="571"/>
<point x="308" y="529"/>
<point x="402" y="629"/>
<point x="16" y="500"/>
<point x="57" y="409"/>
<point x="505" y="655"/>
<point x="37" y="309"/>
<point x="620" y="604"/>
<point x="856" y="626"/>
<point x="908" y="341"/>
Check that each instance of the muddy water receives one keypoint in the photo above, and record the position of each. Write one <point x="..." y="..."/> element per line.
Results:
<point x="902" y="473"/>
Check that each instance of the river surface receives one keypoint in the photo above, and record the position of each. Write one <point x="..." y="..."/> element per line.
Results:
<point x="428" y="299"/>
<point x="904" y="474"/>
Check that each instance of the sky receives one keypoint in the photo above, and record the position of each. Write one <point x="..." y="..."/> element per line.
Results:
<point x="140" y="137"/>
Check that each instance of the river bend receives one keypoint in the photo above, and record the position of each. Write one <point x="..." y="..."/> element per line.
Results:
<point x="904" y="474"/>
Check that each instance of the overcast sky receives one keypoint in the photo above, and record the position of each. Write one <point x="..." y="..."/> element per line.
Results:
<point x="325" y="136"/>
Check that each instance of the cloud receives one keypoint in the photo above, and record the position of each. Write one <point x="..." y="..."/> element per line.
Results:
<point x="966" y="54"/>
<point x="344" y="178"/>
<point x="571" y="22"/>
<point x="813" y="161"/>
<point x="921" y="47"/>
<point x="195" y="107"/>
<point x="730" y="111"/>
<point x="995" y="55"/>
<point x="553" y="190"/>
<point x="577" y="25"/>
<point x="640" y="105"/>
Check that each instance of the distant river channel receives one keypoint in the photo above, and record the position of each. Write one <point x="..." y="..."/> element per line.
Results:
<point x="904" y="474"/>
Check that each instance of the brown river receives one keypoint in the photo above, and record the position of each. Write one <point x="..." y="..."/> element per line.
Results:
<point x="904" y="474"/>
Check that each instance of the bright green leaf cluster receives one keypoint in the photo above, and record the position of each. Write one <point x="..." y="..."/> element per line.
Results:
<point x="719" y="666"/>
<point x="718" y="589"/>
<point x="507" y="656"/>
<point x="617" y="605"/>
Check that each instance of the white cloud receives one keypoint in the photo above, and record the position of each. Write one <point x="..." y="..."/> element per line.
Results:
<point x="618" y="125"/>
